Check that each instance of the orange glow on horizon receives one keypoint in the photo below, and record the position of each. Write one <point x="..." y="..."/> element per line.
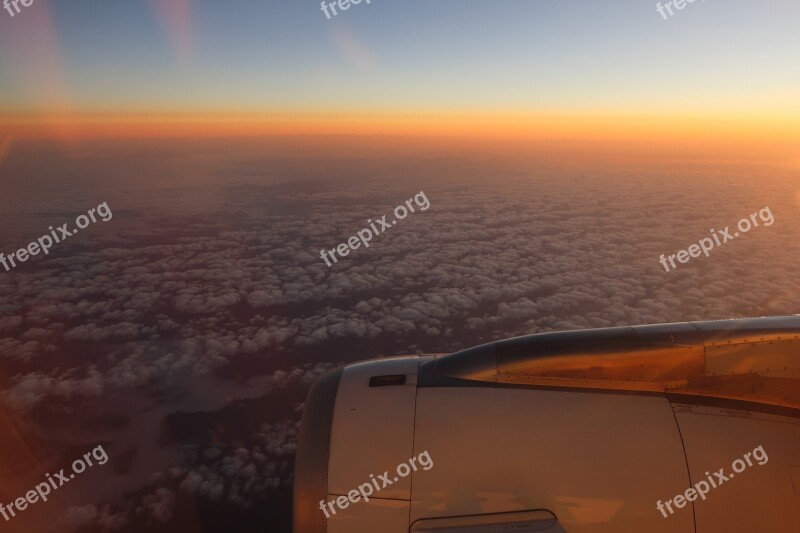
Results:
<point x="759" y="137"/>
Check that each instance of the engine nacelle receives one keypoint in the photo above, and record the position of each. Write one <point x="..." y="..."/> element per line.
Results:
<point x="608" y="430"/>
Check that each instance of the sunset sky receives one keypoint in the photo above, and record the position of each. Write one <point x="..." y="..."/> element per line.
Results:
<point x="566" y="69"/>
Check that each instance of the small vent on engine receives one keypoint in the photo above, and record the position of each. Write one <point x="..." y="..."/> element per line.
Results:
<point x="387" y="381"/>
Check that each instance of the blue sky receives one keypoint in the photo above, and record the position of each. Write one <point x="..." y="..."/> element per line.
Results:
<point x="393" y="54"/>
